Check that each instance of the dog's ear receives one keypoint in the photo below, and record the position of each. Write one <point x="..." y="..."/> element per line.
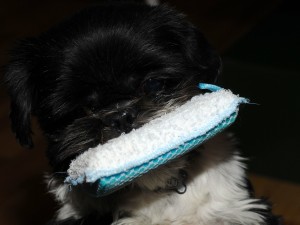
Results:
<point x="21" y="88"/>
<point x="203" y="56"/>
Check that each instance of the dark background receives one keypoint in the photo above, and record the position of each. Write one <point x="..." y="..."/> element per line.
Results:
<point x="264" y="66"/>
<point x="259" y="44"/>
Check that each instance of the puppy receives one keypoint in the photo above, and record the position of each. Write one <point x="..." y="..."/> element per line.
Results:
<point x="110" y="69"/>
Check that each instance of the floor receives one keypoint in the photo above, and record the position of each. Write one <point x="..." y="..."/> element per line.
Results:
<point x="232" y="29"/>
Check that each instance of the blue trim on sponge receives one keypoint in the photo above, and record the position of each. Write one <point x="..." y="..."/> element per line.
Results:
<point x="210" y="87"/>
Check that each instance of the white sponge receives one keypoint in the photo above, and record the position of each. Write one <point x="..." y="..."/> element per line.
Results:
<point x="150" y="145"/>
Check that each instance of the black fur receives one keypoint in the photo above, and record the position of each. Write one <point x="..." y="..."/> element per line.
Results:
<point x="73" y="76"/>
<point x="92" y="219"/>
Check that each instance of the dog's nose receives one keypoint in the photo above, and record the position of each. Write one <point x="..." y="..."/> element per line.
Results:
<point x="122" y="120"/>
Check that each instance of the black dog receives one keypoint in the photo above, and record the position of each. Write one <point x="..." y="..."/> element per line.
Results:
<point x="110" y="69"/>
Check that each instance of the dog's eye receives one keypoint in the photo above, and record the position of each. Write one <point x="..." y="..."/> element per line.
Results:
<point x="90" y="109"/>
<point x="152" y="86"/>
<point x="91" y="103"/>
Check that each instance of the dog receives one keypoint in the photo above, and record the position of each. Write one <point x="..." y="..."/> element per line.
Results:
<point x="107" y="70"/>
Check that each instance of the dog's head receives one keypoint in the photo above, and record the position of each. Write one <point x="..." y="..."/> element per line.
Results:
<point x="105" y="71"/>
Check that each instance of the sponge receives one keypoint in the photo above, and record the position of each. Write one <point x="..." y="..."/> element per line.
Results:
<point x="118" y="162"/>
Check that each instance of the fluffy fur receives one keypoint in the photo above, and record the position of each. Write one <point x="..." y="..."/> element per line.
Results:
<point x="110" y="69"/>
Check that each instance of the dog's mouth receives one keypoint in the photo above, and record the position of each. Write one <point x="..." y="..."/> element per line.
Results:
<point x="109" y="133"/>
